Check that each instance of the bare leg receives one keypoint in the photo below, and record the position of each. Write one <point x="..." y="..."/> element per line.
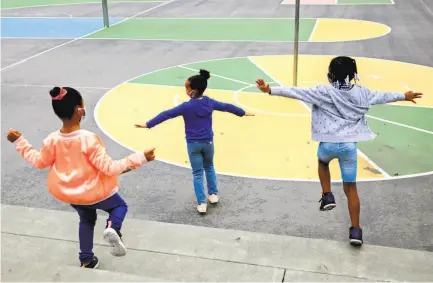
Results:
<point x="353" y="202"/>
<point x="325" y="177"/>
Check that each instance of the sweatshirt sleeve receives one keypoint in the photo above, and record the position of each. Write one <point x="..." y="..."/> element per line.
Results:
<point x="383" y="97"/>
<point x="100" y="159"/>
<point x="227" y="107"/>
<point x="164" y="116"/>
<point x="39" y="159"/>
<point x="306" y="94"/>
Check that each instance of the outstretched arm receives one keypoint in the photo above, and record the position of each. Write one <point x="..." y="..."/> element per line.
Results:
<point x="306" y="94"/>
<point x="163" y="116"/>
<point x="100" y="159"/>
<point x="383" y="97"/>
<point x="227" y="107"/>
<point x="39" y="159"/>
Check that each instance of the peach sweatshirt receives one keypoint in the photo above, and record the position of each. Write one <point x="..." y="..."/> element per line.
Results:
<point x="81" y="171"/>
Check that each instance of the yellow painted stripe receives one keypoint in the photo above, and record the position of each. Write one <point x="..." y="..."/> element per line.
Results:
<point x="331" y="30"/>
<point x="260" y="146"/>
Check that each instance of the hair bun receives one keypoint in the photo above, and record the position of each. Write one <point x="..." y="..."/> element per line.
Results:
<point x="55" y="91"/>
<point x="205" y="74"/>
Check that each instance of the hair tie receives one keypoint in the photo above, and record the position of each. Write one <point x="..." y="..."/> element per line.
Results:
<point x="60" y="96"/>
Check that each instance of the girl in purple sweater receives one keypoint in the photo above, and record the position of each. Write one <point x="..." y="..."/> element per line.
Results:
<point x="197" y="114"/>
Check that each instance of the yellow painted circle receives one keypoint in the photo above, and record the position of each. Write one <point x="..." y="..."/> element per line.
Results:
<point x="276" y="143"/>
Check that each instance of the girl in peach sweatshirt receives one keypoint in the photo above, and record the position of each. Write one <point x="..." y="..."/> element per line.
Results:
<point x="82" y="173"/>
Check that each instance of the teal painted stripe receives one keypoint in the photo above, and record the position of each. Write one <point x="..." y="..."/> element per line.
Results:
<point x="418" y="117"/>
<point x="398" y="150"/>
<point x="208" y="29"/>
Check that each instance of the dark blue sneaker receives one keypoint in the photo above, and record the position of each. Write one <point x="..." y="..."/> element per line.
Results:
<point x="355" y="236"/>
<point x="93" y="263"/>
<point x="327" y="202"/>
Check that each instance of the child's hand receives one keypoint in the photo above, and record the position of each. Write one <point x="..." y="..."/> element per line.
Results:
<point x="249" y="114"/>
<point x="411" y="96"/>
<point x="150" y="154"/>
<point x="13" y="135"/>
<point x="263" y="86"/>
<point x="144" y="126"/>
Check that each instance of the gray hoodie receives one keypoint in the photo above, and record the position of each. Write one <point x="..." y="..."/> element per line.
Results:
<point x="339" y="115"/>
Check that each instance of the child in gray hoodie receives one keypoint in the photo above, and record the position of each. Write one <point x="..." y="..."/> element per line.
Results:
<point x="338" y="123"/>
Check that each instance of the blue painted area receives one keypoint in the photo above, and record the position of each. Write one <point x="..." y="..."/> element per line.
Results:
<point x="51" y="27"/>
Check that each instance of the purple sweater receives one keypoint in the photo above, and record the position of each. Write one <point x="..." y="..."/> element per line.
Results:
<point x="197" y="115"/>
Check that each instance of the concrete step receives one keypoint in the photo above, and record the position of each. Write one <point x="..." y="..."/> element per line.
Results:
<point x="63" y="273"/>
<point x="189" y="253"/>
<point x="25" y="258"/>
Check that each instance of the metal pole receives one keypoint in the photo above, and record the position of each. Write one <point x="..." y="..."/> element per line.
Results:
<point x="296" y="47"/>
<point x="105" y="13"/>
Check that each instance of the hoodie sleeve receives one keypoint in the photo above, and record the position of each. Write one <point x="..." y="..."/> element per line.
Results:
<point x="306" y="94"/>
<point x="164" y="116"/>
<point x="39" y="159"/>
<point x="100" y="159"/>
<point x="227" y="107"/>
<point x="383" y="97"/>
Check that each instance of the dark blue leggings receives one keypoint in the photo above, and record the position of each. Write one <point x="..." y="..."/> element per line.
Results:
<point x="117" y="209"/>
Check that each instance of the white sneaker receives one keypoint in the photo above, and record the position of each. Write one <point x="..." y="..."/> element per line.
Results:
<point x="213" y="199"/>
<point x="117" y="248"/>
<point x="202" y="208"/>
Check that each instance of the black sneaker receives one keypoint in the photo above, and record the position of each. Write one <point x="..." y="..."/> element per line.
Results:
<point x="327" y="202"/>
<point x="92" y="264"/>
<point x="355" y="236"/>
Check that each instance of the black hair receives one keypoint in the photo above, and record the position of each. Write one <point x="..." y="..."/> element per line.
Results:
<point x="199" y="82"/>
<point x="342" y="67"/>
<point x="65" y="107"/>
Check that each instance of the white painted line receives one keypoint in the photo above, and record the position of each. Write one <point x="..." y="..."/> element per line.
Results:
<point x="218" y="40"/>
<point x="375" y="77"/>
<point x="410" y="105"/>
<point x="186" y="40"/>
<point x="67" y="4"/>
<point x="427" y="7"/>
<point x="383" y="172"/>
<point x="219" y="76"/>
<point x="171" y="86"/>
<point x="278" y="82"/>
<point x="401" y="125"/>
<point x="246" y="176"/>
<point x="176" y="99"/>
<point x="66" y="43"/>
<point x="314" y="30"/>
<point x="265" y="72"/>
<point x="51" y="86"/>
